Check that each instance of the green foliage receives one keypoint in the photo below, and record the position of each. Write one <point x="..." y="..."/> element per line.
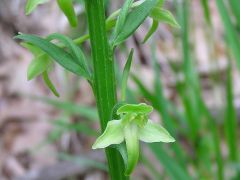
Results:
<point x="67" y="8"/>
<point x="232" y="36"/>
<point x="126" y="74"/>
<point x="32" y="4"/>
<point x="49" y="84"/>
<point x="165" y="16"/>
<point x="62" y="57"/>
<point x="133" y="20"/>
<point x="134" y="124"/>
<point x="122" y="17"/>
<point x="39" y="64"/>
<point x="151" y="30"/>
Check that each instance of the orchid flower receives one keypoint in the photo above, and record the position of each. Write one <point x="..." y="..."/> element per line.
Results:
<point x="133" y="126"/>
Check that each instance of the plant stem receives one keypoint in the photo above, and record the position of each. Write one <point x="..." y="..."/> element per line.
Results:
<point x="104" y="78"/>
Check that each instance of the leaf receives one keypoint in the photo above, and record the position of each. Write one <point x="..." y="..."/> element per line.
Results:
<point x="162" y="15"/>
<point x="67" y="7"/>
<point x="33" y="49"/>
<point x="50" y="84"/>
<point x="38" y="66"/>
<point x="151" y="30"/>
<point x="154" y="132"/>
<point x="122" y="17"/>
<point x="135" y="108"/>
<point x="32" y="4"/>
<point x="160" y="3"/>
<point x="206" y="10"/>
<point x="126" y="74"/>
<point x="76" y="52"/>
<point x="113" y="134"/>
<point x="134" y="19"/>
<point x="231" y="33"/>
<point x="132" y="145"/>
<point x="59" y="55"/>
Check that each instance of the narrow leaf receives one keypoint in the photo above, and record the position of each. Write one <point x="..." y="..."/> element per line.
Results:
<point x="63" y="58"/>
<point x="50" y="84"/>
<point x="38" y="66"/>
<point x="206" y="10"/>
<point x="126" y="74"/>
<point x="231" y="33"/>
<point x="33" y="49"/>
<point x="75" y="51"/>
<point x="151" y="30"/>
<point x="134" y="19"/>
<point x="68" y="9"/>
<point x="122" y="17"/>
<point x="32" y="4"/>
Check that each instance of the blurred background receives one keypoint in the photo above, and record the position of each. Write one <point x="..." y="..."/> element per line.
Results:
<point x="190" y="76"/>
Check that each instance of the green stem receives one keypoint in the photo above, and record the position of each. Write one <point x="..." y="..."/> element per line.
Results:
<point x="104" y="78"/>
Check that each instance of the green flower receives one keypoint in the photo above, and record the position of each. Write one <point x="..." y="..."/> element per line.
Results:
<point x="133" y="126"/>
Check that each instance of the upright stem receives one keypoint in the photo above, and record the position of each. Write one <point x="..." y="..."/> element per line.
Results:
<point x="104" y="78"/>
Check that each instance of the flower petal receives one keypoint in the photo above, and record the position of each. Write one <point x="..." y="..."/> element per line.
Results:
<point x="132" y="144"/>
<point x="154" y="132"/>
<point x="113" y="134"/>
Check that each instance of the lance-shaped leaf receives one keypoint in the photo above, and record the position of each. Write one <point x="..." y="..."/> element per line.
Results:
<point x="113" y="134"/>
<point x="33" y="49"/>
<point x="122" y="17"/>
<point x="151" y="30"/>
<point x="134" y="19"/>
<point x="40" y="63"/>
<point x="74" y="50"/>
<point x="32" y="4"/>
<point x="49" y="84"/>
<point x="165" y="16"/>
<point x="135" y="108"/>
<point x="62" y="57"/>
<point x="154" y="132"/>
<point x="132" y="145"/>
<point x="126" y="74"/>
<point x="67" y="7"/>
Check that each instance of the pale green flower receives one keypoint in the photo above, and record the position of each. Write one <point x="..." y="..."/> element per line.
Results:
<point x="133" y="126"/>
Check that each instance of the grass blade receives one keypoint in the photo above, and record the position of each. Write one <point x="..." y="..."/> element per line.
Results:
<point x="232" y="37"/>
<point x="230" y="118"/>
